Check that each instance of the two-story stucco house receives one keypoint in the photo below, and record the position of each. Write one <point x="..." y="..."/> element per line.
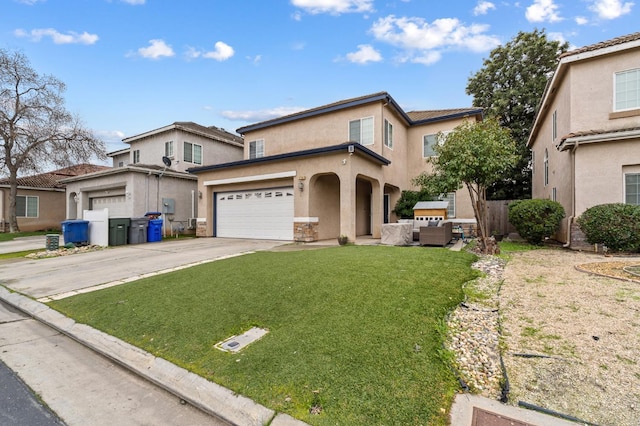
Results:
<point x="140" y="180"/>
<point x="333" y="170"/>
<point x="585" y="141"/>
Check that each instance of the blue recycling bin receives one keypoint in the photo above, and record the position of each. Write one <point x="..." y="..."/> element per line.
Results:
<point x="76" y="231"/>
<point x="154" y="230"/>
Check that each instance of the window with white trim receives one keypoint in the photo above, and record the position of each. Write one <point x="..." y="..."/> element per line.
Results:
<point x="430" y="141"/>
<point x="554" y="125"/>
<point x="627" y="90"/>
<point x="388" y="133"/>
<point x="168" y="149"/>
<point x="632" y="188"/>
<point x="136" y="156"/>
<point x="256" y="149"/>
<point x="361" y="131"/>
<point x="546" y="167"/>
<point x="192" y="153"/>
<point x="26" y="206"/>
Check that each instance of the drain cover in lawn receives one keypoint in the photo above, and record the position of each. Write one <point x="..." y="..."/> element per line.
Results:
<point x="237" y="343"/>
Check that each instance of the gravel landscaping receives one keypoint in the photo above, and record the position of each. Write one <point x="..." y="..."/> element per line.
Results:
<point x="569" y="327"/>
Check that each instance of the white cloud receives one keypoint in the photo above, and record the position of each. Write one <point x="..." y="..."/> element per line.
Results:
<point x="254" y="59"/>
<point x="134" y="2"/>
<point x="483" y="7"/>
<point x="581" y="20"/>
<point x="30" y="2"/>
<point x="611" y="9"/>
<point x="157" y="49"/>
<point x="423" y="42"/>
<point x="334" y="7"/>
<point x="366" y="53"/>
<point x="543" y="11"/>
<point x="57" y="37"/>
<point x="222" y="52"/>
<point x="260" y="115"/>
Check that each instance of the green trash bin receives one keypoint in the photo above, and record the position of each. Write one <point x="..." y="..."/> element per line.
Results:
<point x="52" y="242"/>
<point x="119" y="231"/>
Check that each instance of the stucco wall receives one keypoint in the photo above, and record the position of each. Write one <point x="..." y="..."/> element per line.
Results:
<point x="50" y="209"/>
<point x="152" y="150"/>
<point x="600" y="171"/>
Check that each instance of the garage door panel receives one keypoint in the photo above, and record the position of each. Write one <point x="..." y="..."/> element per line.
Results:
<point x="262" y="214"/>
<point x="117" y="205"/>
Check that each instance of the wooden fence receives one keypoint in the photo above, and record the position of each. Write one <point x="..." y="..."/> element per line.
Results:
<point x="499" y="217"/>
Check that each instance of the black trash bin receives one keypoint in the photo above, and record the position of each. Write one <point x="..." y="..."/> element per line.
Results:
<point x="138" y="230"/>
<point x="119" y="231"/>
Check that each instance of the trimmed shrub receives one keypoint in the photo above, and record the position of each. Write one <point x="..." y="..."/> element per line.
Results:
<point x="616" y="225"/>
<point x="536" y="220"/>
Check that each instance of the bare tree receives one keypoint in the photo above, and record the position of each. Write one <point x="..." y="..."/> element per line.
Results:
<point x="35" y="128"/>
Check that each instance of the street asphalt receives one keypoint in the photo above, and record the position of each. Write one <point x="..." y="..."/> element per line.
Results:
<point x="86" y="377"/>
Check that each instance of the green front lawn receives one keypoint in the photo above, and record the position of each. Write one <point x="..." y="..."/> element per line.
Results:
<point x="356" y="330"/>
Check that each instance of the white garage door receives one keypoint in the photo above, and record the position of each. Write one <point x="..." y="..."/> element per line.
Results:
<point x="117" y="205"/>
<point x="261" y="213"/>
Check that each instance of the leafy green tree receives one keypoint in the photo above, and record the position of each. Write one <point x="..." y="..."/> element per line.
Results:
<point x="36" y="131"/>
<point x="474" y="155"/>
<point x="510" y="86"/>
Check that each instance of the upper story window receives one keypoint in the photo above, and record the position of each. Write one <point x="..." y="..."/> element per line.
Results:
<point x="430" y="141"/>
<point x="388" y="133"/>
<point x="192" y="153"/>
<point x="26" y="206"/>
<point x="361" y="131"/>
<point x="627" y="90"/>
<point x="632" y="188"/>
<point x="168" y="149"/>
<point x="136" y="156"/>
<point x="554" y="125"/>
<point x="120" y="163"/>
<point x="256" y="149"/>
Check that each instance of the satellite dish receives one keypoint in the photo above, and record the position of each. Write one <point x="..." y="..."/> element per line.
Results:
<point x="166" y="161"/>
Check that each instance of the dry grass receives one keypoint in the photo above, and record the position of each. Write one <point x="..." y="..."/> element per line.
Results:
<point x="558" y="304"/>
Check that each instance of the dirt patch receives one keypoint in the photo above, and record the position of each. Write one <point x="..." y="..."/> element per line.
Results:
<point x="571" y="334"/>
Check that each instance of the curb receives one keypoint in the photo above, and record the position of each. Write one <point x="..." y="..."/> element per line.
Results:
<point x="210" y="397"/>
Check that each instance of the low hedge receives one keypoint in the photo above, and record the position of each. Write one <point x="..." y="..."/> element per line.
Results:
<point x="615" y="225"/>
<point x="536" y="220"/>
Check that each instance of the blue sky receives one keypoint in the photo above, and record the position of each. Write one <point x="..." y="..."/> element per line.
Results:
<point x="135" y="65"/>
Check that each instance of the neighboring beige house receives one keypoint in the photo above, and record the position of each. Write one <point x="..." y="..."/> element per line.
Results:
<point x="585" y="141"/>
<point x="140" y="180"/>
<point x="333" y="170"/>
<point x="40" y="203"/>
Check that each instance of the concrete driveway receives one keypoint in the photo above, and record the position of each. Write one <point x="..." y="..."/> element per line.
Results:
<point x="40" y="278"/>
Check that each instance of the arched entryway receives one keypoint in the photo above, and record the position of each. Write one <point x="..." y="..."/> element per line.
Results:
<point x="324" y="204"/>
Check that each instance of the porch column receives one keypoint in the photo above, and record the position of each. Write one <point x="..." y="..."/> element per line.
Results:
<point x="377" y="208"/>
<point x="348" y="206"/>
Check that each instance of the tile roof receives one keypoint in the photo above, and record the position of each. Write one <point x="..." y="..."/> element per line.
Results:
<point x="411" y="117"/>
<point x="601" y="45"/>
<point x="583" y="133"/>
<point x="441" y="113"/>
<point x="50" y="180"/>
<point x="211" y="132"/>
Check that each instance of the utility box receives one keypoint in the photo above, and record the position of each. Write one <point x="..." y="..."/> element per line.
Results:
<point x="138" y="230"/>
<point x="52" y="242"/>
<point x="119" y="231"/>
<point x="76" y="231"/>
